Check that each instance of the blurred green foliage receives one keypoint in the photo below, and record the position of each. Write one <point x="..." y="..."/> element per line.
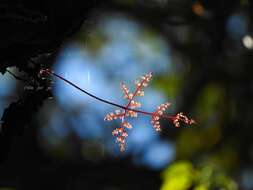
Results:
<point x="182" y="175"/>
<point x="210" y="103"/>
<point x="199" y="144"/>
<point x="169" y="84"/>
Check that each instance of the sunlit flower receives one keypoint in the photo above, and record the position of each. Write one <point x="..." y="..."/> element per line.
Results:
<point x="129" y="110"/>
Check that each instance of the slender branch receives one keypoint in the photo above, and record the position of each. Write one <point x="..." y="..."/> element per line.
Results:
<point x="49" y="72"/>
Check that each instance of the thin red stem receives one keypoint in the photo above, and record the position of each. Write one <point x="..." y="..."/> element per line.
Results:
<point x="49" y="72"/>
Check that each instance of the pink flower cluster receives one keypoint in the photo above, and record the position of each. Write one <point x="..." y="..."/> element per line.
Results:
<point x="157" y="114"/>
<point x="130" y="110"/>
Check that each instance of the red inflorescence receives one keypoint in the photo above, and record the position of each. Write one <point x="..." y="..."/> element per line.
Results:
<point x="130" y="111"/>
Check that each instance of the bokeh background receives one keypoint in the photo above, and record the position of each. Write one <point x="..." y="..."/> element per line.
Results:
<point x="200" y="53"/>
